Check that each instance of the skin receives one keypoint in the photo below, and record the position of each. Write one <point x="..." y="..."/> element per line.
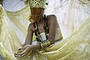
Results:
<point x="1" y="2"/>
<point x="36" y="15"/>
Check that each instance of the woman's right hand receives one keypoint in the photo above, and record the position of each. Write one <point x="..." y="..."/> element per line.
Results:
<point x="25" y="50"/>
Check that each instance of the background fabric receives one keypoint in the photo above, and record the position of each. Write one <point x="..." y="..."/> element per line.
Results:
<point x="71" y="14"/>
<point x="73" y="17"/>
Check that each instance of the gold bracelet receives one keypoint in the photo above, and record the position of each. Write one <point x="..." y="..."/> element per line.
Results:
<point x="45" y="44"/>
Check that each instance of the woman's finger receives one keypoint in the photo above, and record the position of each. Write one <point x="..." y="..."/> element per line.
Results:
<point x="25" y="52"/>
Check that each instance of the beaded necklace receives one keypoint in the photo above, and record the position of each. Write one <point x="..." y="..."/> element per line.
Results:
<point x="46" y="28"/>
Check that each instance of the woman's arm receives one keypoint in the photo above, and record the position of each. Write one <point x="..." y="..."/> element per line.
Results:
<point x="29" y="36"/>
<point x="52" y="27"/>
<point x="27" y="46"/>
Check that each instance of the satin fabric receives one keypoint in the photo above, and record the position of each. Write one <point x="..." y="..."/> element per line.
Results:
<point x="74" y="47"/>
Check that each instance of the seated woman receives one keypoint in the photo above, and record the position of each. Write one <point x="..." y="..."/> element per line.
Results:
<point x="43" y="27"/>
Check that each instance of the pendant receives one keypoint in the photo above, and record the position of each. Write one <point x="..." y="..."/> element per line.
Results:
<point x="43" y="36"/>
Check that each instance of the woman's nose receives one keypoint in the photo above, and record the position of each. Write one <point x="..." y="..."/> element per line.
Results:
<point x="36" y="15"/>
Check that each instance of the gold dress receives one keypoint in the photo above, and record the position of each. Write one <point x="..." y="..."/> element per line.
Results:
<point x="75" y="47"/>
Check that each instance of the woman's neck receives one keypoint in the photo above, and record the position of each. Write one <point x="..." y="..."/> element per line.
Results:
<point x="40" y="21"/>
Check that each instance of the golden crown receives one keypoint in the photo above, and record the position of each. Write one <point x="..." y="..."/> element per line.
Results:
<point x="37" y="3"/>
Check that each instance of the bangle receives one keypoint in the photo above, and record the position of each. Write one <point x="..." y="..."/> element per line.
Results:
<point x="45" y="44"/>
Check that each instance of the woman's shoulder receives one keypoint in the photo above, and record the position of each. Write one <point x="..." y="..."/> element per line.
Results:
<point x="31" y="26"/>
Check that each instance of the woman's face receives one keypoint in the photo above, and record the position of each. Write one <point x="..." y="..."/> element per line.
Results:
<point x="37" y="14"/>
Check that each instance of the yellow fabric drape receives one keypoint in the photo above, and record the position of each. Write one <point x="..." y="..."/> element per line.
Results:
<point x="75" y="47"/>
<point x="8" y="39"/>
<point x="20" y="22"/>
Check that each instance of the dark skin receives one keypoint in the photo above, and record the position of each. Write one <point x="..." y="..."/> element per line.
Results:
<point x="36" y="15"/>
<point x="1" y="2"/>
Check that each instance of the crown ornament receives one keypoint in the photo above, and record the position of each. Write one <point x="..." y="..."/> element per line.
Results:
<point x="37" y="3"/>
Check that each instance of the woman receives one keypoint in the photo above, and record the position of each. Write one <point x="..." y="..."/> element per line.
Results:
<point x="41" y="26"/>
<point x="76" y="47"/>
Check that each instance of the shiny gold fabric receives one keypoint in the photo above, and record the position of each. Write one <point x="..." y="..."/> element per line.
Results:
<point x="75" y="47"/>
<point x="8" y="39"/>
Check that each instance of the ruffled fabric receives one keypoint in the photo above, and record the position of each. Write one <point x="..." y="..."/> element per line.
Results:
<point x="13" y="28"/>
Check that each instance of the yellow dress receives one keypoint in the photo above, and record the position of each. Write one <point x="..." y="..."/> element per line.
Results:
<point x="75" y="47"/>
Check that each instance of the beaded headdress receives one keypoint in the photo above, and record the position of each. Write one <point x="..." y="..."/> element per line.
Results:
<point x="37" y="3"/>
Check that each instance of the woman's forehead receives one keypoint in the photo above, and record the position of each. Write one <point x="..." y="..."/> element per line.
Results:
<point x="37" y="9"/>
